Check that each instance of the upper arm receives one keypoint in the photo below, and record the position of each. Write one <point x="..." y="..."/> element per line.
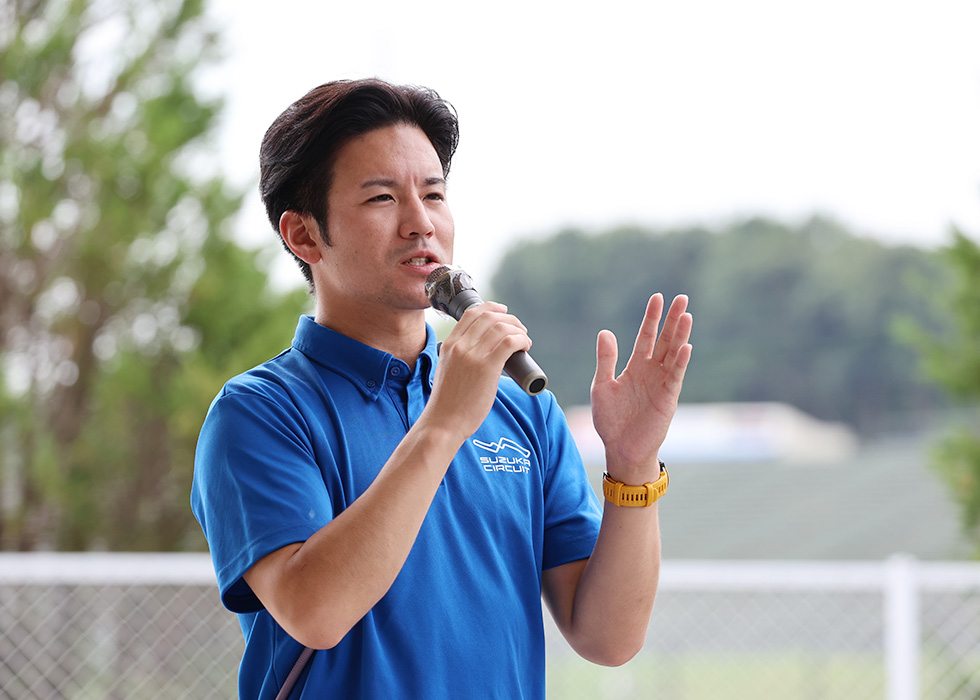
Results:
<point x="266" y="578"/>
<point x="257" y="489"/>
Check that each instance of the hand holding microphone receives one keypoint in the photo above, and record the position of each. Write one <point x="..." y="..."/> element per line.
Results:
<point x="451" y="291"/>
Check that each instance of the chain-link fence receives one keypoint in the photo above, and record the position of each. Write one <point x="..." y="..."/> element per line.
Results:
<point x="151" y="626"/>
<point x="98" y="627"/>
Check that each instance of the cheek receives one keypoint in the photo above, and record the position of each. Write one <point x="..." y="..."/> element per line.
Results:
<point x="448" y="228"/>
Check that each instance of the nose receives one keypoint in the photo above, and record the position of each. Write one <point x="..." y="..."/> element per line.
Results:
<point x="416" y="220"/>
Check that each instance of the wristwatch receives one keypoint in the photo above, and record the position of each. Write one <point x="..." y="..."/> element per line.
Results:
<point x="619" y="494"/>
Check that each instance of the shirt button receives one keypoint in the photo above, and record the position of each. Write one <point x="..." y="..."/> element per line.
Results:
<point x="370" y="383"/>
<point x="395" y="371"/>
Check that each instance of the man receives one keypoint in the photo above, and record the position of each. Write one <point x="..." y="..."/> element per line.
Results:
<point x="402" y="510"/>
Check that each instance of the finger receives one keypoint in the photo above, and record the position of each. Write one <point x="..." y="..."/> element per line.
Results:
<point x="477" y="310"/>
<point x="675" y="376"/>
<point x="492" y="306"/>
<point x="479" y="332"/>
<point x="505" y="348"/>
<point x="606" y="355"/>
<point x="485" y="345"/>
<point x="488" y="312"/>
<point x="500" y="335"/>
<point x="646" y="336"/>
<point x="672" y="336"/>
<point x="680" y="335"/>
<point x="677" y="309"/>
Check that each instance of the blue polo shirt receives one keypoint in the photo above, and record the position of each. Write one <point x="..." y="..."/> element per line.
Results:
<point x="287" y="446"/>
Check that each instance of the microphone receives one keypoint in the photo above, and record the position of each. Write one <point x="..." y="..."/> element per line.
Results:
<point x="451" y="291"/>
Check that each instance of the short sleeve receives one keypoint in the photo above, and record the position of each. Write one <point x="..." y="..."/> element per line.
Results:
<point x="257" y="486"/>
<point x="572" y="514"/>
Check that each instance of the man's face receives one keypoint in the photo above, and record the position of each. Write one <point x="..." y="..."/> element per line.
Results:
<point x="388" y="222"/>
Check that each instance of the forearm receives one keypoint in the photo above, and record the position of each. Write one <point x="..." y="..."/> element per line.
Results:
<point x="615" y="595"/>
<point x="317" y="590"/>
<point x="603" y="604"/>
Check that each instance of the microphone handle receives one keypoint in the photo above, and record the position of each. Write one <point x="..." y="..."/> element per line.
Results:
<point x="519" y="366"/>
<point x="526" y="373"/>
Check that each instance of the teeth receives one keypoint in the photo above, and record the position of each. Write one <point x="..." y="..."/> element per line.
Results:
<point x="418" y="261"/>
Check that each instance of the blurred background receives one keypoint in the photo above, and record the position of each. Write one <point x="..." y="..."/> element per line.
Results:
<point x="809" y="173"/>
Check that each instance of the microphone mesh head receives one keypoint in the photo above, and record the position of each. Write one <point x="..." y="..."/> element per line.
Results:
<point x="443" y="284"/>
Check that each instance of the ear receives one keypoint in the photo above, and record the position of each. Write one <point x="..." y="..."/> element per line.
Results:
<point x="302" y="234"/>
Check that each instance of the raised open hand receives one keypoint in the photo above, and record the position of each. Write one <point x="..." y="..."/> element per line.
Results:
<point x="632" y="412"/>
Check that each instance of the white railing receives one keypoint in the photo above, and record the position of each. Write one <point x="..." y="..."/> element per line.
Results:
<point x="901" y="582"/>
<point x="151" y="626"/>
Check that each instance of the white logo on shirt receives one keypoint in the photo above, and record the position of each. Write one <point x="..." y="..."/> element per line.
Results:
<point x="504" y="463"/>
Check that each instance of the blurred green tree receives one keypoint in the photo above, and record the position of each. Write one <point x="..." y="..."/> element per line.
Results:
<point x="124" y="301"/>
<point x="801" y="314"/>
<point x="950" y="353"/>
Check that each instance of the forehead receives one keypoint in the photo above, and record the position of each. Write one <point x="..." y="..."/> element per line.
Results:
<point x="391" y="151"/>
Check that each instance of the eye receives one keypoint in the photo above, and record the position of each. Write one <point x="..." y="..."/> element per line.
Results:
<point x="382" y="198"/>
<point x="436" y="196"/>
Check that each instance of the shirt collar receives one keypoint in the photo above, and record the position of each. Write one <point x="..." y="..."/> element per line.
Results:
<point x="366" y="367"/>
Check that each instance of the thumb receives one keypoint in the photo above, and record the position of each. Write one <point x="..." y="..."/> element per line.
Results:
<point x="606" y="354"/>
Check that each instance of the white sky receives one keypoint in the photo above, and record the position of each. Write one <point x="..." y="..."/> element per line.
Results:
<point x="658" y="113"/>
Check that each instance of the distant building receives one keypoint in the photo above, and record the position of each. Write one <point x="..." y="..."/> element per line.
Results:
<point x="735" y="432"/>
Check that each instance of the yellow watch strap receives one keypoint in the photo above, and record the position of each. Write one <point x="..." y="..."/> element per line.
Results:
<point x="619" y="494"/>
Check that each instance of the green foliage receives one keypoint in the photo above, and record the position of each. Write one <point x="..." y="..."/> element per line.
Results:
<point x="951" y="354"/>
<point x="802" y="315"/>
<point x="951" y="358"/>
<point x="123" y="303"/>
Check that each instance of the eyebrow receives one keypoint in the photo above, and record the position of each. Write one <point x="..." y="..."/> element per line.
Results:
<point x="388" y="182"/>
